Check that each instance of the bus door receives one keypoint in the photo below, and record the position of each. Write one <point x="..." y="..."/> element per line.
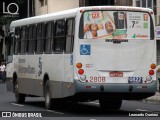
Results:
<point x="68" y="67"/>
<point x="68" y="57"/>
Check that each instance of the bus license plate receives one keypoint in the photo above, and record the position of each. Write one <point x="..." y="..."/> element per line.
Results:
<point x="135" y="80"/>
<point x="116" y="74"/>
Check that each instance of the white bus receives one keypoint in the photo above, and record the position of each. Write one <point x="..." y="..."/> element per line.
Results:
<point x="104" y="53"/>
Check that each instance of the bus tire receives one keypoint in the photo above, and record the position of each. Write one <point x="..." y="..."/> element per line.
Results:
<point x="20" y="98"/>
<point x="47" y="95"/>
<point x="110" y="105"/>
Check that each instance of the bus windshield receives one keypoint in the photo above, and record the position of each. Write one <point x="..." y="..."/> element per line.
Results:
<point x="116" y="25"/>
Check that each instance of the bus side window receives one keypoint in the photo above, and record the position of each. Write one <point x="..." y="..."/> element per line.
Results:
<point x="151" y="29"/>
<point x="34" y="38"/>
<point x="30" y="40"/>
<point x="17" y="41"/>
<point x="40" y="37"/>
<point x="26" y="39"/>
<point x="59" y="41"/>
<point x="70" y="24"/>
<point x="9" y="47"/>
<point x="48" y="38"/>
<point x="24" y="35"/>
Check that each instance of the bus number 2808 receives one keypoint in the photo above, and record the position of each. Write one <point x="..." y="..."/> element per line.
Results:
<point x="97" y="79"/>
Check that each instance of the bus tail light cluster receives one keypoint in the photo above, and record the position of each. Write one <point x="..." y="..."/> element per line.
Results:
<point x="81" y="71"/>
<point x="83" y="77"/>
<point x="151" y="13"/>
<point x="81" y="11"/>
<point x="79" y="65"/>
<point x="148" y="78"/>
<point x="151" y="72"/>
<point x="152" y="66"/>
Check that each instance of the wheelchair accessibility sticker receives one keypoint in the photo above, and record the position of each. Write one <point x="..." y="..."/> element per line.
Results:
<point x="85" y="49"/>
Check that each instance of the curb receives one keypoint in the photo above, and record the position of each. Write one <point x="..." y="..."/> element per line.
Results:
<point x="153" y="99"/>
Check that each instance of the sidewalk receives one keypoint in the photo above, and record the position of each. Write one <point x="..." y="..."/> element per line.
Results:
<point x="153" y="99"/>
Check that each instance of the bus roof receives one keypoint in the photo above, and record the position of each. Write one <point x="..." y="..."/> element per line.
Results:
<point x="44" y="18"/>
<point x="71" y="13"/>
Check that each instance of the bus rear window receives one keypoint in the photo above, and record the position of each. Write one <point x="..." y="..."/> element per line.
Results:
<point x="116" y="25"/>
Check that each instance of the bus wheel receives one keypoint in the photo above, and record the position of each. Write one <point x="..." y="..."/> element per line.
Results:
<point x="110" y="105"/>
<point x="48" y="99"/>
<point x="20" y="98"/>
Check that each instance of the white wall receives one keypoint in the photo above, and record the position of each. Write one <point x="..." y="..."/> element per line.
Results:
<point x="54" y="6"/>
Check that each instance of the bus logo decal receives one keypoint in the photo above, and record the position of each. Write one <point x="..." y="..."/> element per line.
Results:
<point x="40" y="66"/>
<point x="71" y="60"/>
<point x="85" y="49"/>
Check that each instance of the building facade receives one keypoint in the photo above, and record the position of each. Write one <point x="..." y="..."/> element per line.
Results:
<point x="49" y="6"/>
<point x="153" y="4"/>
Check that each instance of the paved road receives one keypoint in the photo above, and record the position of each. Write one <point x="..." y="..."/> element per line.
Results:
<point x="85" y="111"/>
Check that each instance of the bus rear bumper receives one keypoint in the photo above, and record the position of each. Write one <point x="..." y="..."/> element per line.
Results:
<point x="122" y="91"/>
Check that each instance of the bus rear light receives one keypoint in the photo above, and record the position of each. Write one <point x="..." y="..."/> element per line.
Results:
<point x="151" y="13"/>
<point x="148" y="78"/>
<point x="80" y="71"/>
<point x="83" y="77"/>
<point x="81" y="11"/>
<point x="79" y="65"/>
<point x="88" y="87"/>
<point x="153" y="66"/>
<point x="151" y="72"/>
